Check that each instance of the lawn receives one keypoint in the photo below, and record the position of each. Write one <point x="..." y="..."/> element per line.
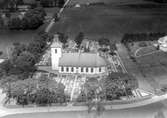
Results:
<point x="150" y="70"/>
<point x="110" y="21"/>
<point x="152" y="66"/>
<point x="141" y="48"/>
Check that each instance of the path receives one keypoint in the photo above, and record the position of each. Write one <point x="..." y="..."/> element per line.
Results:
<point x="112" y="64"/>
<point x="73" y="89"/>
<point x="121" y="62"/>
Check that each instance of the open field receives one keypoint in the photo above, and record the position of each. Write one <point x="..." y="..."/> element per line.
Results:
<point x="110" y="21"/>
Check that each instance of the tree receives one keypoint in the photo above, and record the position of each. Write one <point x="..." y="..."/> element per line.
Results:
<point x="43" y="36"/>
<point x="23" y="65"/>
<point x="113" y="46"/>
<point x="90" y="87"/>
<point x="42" y="96"/>
<point x="82" y="97"/>
<point x="47" y="3"/>
<point x="25" y="60"/>
<point x="32" y="20"/>
<point x="62" y="38"/>
<point x="14" y="23"/>
<point x="56" y="17"/>
<point x="79" y="38"/>
<point x="61" y="3"/>
<point x="24" y="24"/>
<point x="104" y="50"/>
<point x="56" y="90"/>
<point x="117" y="85"/>
<point x="18" y="89"/>
<point x="6" y="67"/>
<point x="104" y="41"/>
<point x="18" y="49"/>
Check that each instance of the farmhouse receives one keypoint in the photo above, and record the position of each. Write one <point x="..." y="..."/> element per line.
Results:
<point x="163" y="43"/>
<point x="76" y="62"/>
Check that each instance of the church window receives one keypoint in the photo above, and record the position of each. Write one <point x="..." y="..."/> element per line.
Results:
<point x="62" y="69"/>
<point x="67" y="69"/>
<point x="72" y="69"/>
<point x="91" y="70"/>
<point x="86" y="69"/>
<point x="55" y="50"/>
<point x="100" y="69"/>
<point x="82" y="69"/>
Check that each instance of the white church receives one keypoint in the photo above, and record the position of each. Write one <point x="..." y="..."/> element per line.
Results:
<point x="76" y="62"/>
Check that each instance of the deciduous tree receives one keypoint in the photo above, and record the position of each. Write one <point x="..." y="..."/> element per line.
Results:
<point x="79" y="38"/>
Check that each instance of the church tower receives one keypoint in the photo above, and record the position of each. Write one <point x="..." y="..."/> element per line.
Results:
<point x="56" y="53"/>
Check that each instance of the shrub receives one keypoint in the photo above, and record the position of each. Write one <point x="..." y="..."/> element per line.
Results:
<point x="1" y="53"/>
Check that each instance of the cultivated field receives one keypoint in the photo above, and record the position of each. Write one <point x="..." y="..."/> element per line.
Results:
<point x="110" y="21"/>
<point x="73" y="2"/>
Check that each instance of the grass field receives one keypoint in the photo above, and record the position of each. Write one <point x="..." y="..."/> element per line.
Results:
<point x="154" y="67"/>
<point x="151" y="68"/>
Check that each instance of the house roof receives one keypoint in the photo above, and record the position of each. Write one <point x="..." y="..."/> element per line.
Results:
<point x="163" y="39"/>
<point x="82" y="60"/>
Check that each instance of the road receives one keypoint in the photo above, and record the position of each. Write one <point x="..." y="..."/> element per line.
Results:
<point x="149" y="111"/>
<point x="116" y="107"/>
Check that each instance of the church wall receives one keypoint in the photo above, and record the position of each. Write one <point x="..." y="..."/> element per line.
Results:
<point x="78" y="70"/>
<point x="55" y="56"/>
